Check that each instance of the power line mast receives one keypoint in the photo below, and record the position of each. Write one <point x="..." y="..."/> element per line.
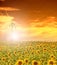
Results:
<point x="4" y="13"/>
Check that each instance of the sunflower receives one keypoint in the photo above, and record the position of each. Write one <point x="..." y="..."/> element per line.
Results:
<point x="44" y="49"/>
<point x="34" y="62"/>
<point x="37" y="51"/>
<point x="26" y="61"/>
<point x="51" y="62"/>
<point x="52" y="57"/>
<point x="53" y="46"/>
<point x="3" y="59"/>
<point x="19" y="62"/>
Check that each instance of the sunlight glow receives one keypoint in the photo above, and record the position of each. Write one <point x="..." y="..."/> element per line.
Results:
<point x="13" y="36"/>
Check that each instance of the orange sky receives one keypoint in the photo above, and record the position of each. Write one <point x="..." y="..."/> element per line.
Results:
<point x="45" y="29"/>
<point x="34" y="20"/>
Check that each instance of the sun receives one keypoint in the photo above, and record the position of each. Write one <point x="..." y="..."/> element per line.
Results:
<point x="13" y="36"/>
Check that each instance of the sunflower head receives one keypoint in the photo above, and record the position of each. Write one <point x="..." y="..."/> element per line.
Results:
<point x="34" y="62"/>
<point x="26" y="60"/>
<point x="52" y="57"/>
<point x="51" y="62"/>
<point x="19" y="62"/>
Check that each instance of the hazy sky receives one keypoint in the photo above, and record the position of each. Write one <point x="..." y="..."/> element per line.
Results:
<point x="38" y="18"/>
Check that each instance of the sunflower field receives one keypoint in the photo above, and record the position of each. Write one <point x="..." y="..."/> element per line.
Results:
<point x="28" y="53"/>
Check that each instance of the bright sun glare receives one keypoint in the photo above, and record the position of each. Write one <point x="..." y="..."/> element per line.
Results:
<point x="14" y="36"/>
<point x="11" y="29"/>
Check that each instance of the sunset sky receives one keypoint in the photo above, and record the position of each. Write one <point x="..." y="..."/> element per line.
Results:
<point x="34" y="20"/>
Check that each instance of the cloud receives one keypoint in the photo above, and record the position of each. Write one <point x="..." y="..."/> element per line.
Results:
<point x="2" y="0"/>
<point x="45" y="29"/>
<point x="49" y="21"/>
<point x="8" y="9"/>
<point x="5" y="19"/>
<point x="44" y="33"/>
<point x="38" y="29"/>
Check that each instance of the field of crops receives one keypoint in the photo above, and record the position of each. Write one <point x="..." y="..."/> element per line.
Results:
<point x="28" y="53"/>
